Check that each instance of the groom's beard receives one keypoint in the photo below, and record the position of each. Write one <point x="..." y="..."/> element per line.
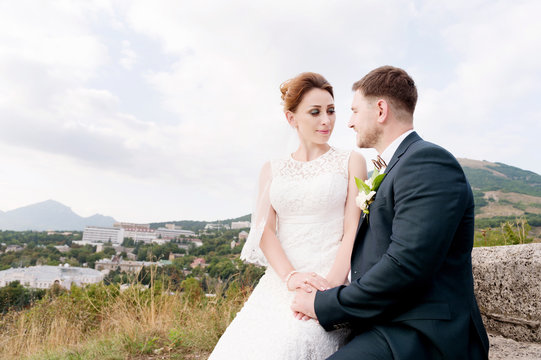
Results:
<point x="370" y="138"/>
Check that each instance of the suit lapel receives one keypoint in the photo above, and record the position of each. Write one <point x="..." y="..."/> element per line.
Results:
<point x="402" y="148"/>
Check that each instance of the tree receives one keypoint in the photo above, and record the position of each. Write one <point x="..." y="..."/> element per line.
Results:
<point x="16" y="297"/>
<point x="191" y="290"/>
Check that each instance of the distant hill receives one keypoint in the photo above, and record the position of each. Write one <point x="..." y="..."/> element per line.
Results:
<point x="49" y="215"/>
<point x="503" y="192"/>
<point x="487" y="176"/>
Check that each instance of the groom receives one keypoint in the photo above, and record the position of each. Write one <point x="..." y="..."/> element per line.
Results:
<point x="411" y="292"/>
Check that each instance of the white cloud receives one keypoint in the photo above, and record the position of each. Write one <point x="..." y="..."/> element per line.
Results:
<point x="129" y="57"/>
<point x="485" y="111"/>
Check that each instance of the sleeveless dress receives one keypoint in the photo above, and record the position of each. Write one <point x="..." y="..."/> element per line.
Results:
<point x="309" y="200"/>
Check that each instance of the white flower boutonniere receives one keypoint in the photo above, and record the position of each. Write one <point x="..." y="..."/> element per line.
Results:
<point x="367" y="190"/>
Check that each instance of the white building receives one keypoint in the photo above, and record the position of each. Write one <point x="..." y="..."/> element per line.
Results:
<point x="138" y="232"/>
<point x="164" y="233"/>
<point x="173" y="227"/>
<point x="43" y="277"/>
<point x="196" y="242"/>
<point x="95" y="234"/>
<point x="240" y="224"/>
<point x="216" y="226"/>
<point x="62" y="248"/>
<point x="146" y="236"/>
<point x="132" y="226"/>
<point x="117" y="263"/>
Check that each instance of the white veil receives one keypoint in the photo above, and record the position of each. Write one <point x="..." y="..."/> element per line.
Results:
<point x="286" y="142"/>
<point x="251" y="252"/>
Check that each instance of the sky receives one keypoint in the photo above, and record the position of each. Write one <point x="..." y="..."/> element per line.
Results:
<point x="166" y="110"/>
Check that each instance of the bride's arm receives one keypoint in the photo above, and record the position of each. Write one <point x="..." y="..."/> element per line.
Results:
<point x="277" y="258"/>
<point x="341" y="266"/>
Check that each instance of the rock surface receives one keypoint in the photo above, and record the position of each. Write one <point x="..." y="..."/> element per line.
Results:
<point x="508" y="290"/>
<point x="508" y="349"/>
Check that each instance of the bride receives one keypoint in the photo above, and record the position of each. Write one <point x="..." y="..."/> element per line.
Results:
<point x="303" y="230"/>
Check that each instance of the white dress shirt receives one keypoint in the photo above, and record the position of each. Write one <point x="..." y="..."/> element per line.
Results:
<point x="389" y="151"/>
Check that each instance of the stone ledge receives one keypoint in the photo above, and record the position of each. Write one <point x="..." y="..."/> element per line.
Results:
<point x="508" y="290"/>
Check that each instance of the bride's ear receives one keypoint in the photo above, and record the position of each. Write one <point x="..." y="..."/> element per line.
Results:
<point x="291" y="119"/>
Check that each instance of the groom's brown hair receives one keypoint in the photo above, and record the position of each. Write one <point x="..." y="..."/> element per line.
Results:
<point x="392" y="83"/>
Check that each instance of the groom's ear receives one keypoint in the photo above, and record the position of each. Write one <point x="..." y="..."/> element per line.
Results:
<point x="383" y="110"/>
<point x="291" y="119"/>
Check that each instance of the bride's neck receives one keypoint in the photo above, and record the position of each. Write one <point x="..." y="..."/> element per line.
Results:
<point x="308" y="152"/>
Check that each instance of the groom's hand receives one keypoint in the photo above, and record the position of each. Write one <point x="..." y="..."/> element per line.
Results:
<point x="304" y="303"/>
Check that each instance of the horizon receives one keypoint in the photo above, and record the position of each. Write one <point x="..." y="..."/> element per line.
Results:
<point x="229" y="217"/>
<point x="150" y="111"/>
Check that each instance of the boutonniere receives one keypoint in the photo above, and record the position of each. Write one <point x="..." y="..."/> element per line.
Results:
<point x="367" y="190"/>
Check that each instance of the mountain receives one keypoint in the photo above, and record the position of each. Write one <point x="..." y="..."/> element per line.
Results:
<point x="49" y="215"/>
<point x="503" y="193"/>
<point x="487" y="176"/>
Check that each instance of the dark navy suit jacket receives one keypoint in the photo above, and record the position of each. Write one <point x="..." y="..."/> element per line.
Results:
<point x="411" y="262"/>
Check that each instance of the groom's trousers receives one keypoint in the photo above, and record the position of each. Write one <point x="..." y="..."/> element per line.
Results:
<point x="398" y="341"/>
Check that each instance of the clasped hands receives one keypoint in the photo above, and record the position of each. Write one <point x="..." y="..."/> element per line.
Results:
<point x="305" y="285"/>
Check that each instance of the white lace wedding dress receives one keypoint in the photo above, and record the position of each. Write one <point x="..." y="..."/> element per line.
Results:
<point x="309" y="199"/>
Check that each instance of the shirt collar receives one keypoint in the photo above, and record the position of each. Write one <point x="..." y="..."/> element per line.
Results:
<point x="388" y="153"/>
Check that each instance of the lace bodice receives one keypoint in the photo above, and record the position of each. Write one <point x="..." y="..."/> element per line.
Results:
<point x="309" y="200"/>
<point x="314" y="190"/>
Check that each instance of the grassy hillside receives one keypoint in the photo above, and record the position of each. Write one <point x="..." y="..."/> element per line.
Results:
<point x="503" y="190"/>
<point x="103" y="322"/>
<point x="504" y="193"/>
<point x="486" y="176"/>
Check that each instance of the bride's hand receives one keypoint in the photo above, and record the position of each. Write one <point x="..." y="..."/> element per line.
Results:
<point x="307" y="281"/>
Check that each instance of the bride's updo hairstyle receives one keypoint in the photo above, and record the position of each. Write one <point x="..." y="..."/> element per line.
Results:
<point x="293" y="90"/>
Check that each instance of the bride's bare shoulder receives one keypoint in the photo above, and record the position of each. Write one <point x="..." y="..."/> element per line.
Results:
<point x="357" y="164"/>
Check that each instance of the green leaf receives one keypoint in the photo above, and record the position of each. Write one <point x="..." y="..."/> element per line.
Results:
<point x="377" y="182"/>
<point x="375" y="174"/>
<point x="361" y="185"/>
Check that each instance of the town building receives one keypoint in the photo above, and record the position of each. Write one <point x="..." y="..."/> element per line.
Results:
<point x="160" y="241"/>
<point x="132" y="226"/>
<point x="198" y="262"/>
<point x="43" y="277"/>
<point x="14" y="248"/>
<point x="165" y="233"/>
<point x="117" y="263"/>
<point x="216" y="226"/>
<point x="173" y="227"/>
<point x="240" y="224"/>
<point x="243" y="235"/>
<point x="137" y="232"/>
<point x="196" y="242"/>
<point x="98" y="245"/>
<point x="173" y="256"/>
<point x="62" y="248"/>
<point x="96" y="234"/>
<point x="65" y="233"/>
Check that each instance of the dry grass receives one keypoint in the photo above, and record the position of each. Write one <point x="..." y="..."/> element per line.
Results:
<point x="505" y="204"/>
<point x="102" y="323"/>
